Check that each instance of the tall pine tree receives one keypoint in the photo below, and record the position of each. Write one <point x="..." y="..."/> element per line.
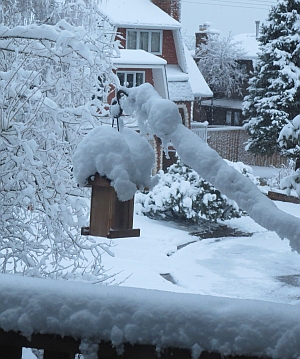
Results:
<point x="274" y="91"/>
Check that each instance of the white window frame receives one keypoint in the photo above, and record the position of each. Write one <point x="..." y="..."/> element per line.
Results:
<point x="149" y="39"/>
<point x="134" y="73"/>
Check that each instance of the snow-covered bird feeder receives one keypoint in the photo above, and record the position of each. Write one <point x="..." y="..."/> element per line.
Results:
<point x="109" y="217"/>
<point x="114" y="164"/>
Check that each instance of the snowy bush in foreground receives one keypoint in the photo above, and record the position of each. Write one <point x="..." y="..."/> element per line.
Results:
<point x="182" y="194"/>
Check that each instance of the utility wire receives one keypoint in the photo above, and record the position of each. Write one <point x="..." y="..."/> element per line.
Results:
<point x="248" y="2"/>
<point x="257" y="6"/>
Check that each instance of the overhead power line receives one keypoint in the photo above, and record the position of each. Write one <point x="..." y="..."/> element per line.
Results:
<point x="261" y="6"/>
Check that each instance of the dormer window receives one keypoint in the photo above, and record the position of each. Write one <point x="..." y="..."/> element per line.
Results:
<point x="148" y="40"/>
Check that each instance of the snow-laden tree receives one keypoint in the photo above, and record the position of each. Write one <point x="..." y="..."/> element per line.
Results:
<point x="53" y="80"/>
<point x="274" y="92"/>
<point x="289" y="141"/>
<point x="217" y="60"/>
<point x="181" y="194"/>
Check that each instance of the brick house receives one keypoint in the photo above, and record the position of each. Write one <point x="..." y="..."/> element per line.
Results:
<point x="225" y="133"/>
<point x="220" y="110"/>
<point x="152" y="50"/>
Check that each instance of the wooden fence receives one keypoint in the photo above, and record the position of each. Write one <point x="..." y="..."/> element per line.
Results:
<point x="56" y="347"/>
<point x="229" y="142"/>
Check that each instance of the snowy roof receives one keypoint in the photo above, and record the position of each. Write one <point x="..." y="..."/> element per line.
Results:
<point x="249" y="43"/>
<point x="180" y="91"/>
<point x="235" y="104"/>
<point x="199" y="86"/>
<point x="185" y="87"/>
<point x="138" y="58"/>
<point x="174" y="73"/>
<point x="137" y="13"/>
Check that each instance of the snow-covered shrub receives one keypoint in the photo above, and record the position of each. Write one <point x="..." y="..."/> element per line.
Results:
<point x="182" y="194"/>
<point x="291" y="182"/>
<point x="281" y="173"/>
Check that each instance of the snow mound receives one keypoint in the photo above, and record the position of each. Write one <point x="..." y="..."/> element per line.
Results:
<point x="124" y="157"/>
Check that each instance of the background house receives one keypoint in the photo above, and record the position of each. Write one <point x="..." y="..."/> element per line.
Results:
<point x="224" y="115"/>
<point x="152" y="50"/>
<point x="221" y="110"/>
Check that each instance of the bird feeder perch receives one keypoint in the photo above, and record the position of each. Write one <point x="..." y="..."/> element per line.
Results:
<point x="109" y="217"/>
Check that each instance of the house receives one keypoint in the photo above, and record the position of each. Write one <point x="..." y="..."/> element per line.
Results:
<point x="221" y="110"/>
<point x="153" y="51"/>
<point x="224" y="116"/>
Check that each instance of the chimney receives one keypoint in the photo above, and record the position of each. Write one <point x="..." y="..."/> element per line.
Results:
<point x="171" y="7"/>
<point x="257" y="28"/>
<point x="201" y="35"/>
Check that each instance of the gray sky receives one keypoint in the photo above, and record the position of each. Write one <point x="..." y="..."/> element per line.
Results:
<point x="235" y="16"/>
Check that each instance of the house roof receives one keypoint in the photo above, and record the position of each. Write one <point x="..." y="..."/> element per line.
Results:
<point x="226" y="103"/>
<point x="137" y="13"/>
<point x="138" y="58"/>
<point x="249" y="43"/>
<point x="185" y="81"/>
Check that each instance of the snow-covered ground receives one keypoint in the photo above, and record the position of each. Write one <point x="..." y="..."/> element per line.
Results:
<point x="167" y="257"/>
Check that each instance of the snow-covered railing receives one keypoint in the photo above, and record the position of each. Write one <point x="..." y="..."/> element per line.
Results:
<point x="66" y="318"/>
<point x="200" y="129"/>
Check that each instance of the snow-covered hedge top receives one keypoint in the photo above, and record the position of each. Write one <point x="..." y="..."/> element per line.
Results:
<point x="164" y="319"/>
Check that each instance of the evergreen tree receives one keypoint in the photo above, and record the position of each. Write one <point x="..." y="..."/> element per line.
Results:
<point x="274" y="91"/>
<point x="181" y="194"/>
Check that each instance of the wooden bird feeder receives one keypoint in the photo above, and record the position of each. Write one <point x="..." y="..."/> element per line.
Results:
<point x="109" y="217"/>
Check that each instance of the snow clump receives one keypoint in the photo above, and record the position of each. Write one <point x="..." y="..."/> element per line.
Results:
<point x="124" y="157"/>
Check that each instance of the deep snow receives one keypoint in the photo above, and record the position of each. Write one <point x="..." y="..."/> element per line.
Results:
<point x="258" y="275"/>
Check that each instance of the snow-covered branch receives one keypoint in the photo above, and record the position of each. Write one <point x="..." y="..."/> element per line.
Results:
<point x="157" y="116"/>
<point x="53" y="78"/>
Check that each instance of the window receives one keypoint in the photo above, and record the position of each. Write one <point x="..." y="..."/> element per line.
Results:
<point x="131" y="79"/>
<point x="150" y="40"/>
<point x="233" y="118"/>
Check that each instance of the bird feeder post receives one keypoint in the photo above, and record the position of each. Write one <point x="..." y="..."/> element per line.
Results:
<point x="109" y="217"/>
